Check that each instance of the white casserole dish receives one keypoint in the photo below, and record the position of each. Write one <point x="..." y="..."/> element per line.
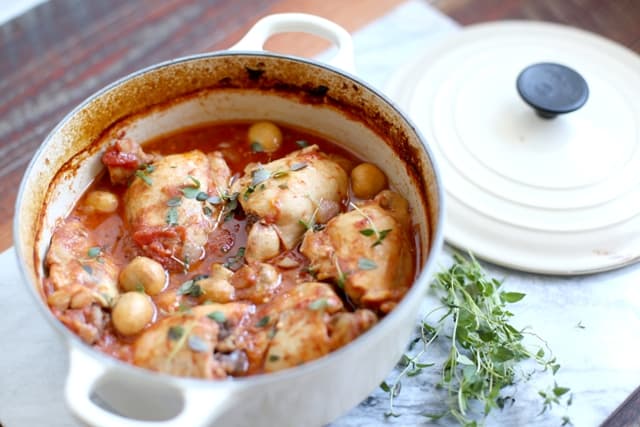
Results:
<point x="240" y="84"/>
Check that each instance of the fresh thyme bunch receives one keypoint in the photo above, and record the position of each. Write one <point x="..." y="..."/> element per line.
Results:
<point x="484" y="349"/>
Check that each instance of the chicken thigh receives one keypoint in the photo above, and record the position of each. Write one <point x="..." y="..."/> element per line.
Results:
<point x="307" y="323"/>
<point x="288" y="195"/>
<point x="197" y="343"/>
<point x="166" y="208"/>
<point x="366" y="251"/>
<point x="84" y="279"/>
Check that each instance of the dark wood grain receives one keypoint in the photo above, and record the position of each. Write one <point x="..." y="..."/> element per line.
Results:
<point x="627" y="414"/>
<point x="60" y="52"/>
<point x="617" y="20"/>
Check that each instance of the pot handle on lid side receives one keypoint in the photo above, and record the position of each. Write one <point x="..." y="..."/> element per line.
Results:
<point x="301" y="23"/>
<point x="200" y="405"/>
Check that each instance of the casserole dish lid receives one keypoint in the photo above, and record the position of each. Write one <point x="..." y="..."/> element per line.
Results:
<point x="549" y="195"/>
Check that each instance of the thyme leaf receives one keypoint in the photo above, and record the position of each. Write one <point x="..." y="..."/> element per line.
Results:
<point x="250" y="189"/>
<point x="511" y="297"/>
<point x="367" y="264"/>
<point x="174" y="202"/>
<point x="228" y="201"/>
<point x="263" y="322"/>
<point x="319" y="304"/>
<point x="372" y="231"/>
<point x="256" y="147"/>
<point x="147" y="168"/>
<point x="298" y="166"/>
<point x="172" y="216"/>
<point x="233" y="261"/>
<point x="311" y="270"/>
<point x="143" y="173"/>
<point x="311" y="224"/>
<point x="190" y="287"/>
<point x="218" y="316"/>
<point x="341" y="280"/>
<point x="180" y="334"/>
<point x="215" y="200"/>
<point x="144" y="176"/>
<point x="175" y="332"/>
<point x="259" y="175"/>
<point x="190" y="192"/>
<point x="381" y="236"/>
<point x="94" y="252"/>
<point x="197" y="344"/>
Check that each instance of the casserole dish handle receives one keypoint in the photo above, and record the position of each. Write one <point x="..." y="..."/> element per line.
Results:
<point x="200" y="406"/>
<point x="301" y="23"/>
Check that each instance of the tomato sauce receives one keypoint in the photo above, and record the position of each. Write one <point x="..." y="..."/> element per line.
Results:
<point x="225" y="245"/>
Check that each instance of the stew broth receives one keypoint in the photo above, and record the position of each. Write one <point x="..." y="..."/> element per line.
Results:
<point x="226" y="245"/>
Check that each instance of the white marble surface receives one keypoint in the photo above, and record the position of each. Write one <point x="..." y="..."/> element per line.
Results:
<point x="599" y="362"/>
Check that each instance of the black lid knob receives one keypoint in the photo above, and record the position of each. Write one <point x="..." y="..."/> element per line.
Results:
<point x="552" y="89"/>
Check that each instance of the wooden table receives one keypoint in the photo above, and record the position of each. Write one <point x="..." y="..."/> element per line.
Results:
<point x="60" y="52"/>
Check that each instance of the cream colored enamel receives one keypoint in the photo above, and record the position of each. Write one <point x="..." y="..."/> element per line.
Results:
<point x="253" y="105"/>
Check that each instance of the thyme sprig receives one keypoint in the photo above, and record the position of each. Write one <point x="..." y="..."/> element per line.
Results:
<point x="484" y="349"/>
<point x="310" y="223"/>
<point x="191" y="287"/>
<point x="192" y="190"/>
<point x="260" y="175"/>
<point x="179" y="335"/>
<point x="341" y="280"/>
<point x="143" y="173"/>
<point x="229" y="203"/>
<point x="412" y="366"/>
<point x="94" y="253"/>
<point x="379" y="235"/>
